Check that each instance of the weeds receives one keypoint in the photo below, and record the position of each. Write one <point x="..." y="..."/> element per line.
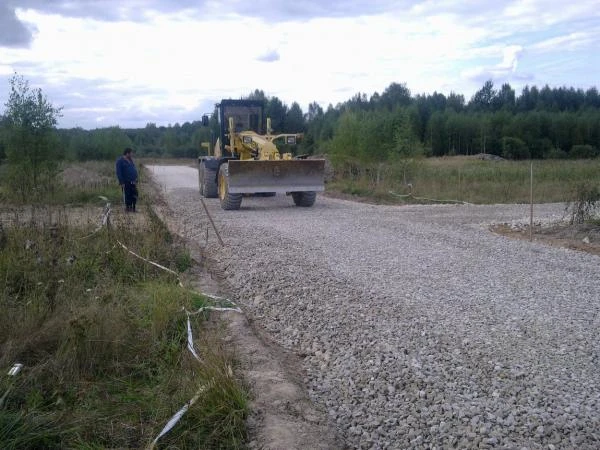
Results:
<point x="464" y="179"/>
<point x="583" y="208"/>
<point x="102" y="339"/>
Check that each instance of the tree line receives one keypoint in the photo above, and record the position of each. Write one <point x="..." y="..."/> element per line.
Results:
<point x="539" y="123"/>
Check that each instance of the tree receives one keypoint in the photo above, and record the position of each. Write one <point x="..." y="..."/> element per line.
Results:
<point x="484" y="98"/>
<point x="294" y="119"/>
<point x="395" y="95"/>
<point x="514" y="148"/>
<point x="258" y="95"/>
<point x="3" y="126"/>
<point x="505" y="98"/>
<point x="276" y="110"/>
<point x="406" y="141"/>
<point x="32" y="147"/>
<point x="82" y="147"/>
<point x="110" y="142"/>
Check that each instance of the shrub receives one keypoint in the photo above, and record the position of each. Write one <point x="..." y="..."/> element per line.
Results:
<point x="587" y="199"/>
<point x="514" y="148"/>
<point x="583" y="152"/>
<point x="556" y="153"/>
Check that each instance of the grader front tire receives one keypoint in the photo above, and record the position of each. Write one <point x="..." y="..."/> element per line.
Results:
<point x="229" y="202"/>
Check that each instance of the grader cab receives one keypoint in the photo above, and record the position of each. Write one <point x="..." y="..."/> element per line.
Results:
<point x="245" y="159"/>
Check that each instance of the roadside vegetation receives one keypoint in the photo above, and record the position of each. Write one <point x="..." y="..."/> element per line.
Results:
<point x="466" y="179"/>
<point x="102" y="339"/>
<point x="92" y="339"/>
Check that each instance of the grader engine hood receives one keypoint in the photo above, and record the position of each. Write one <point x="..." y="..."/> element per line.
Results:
<point x="281" y="176"/>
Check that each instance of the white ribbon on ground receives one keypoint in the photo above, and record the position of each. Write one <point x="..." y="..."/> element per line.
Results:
<point x="179" y="414"/>
<point x="16" y="368"/>
<point x="103" y="222"/>
<point x="190" y="340"/>
<point x="213" y="308"/>
<point x="428" y="199"/>
<point x="190" y="345"/>
<point x="148" y="261"/>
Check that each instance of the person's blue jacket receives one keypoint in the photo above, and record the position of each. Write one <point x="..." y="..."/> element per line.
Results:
<point x="126" y="171"/>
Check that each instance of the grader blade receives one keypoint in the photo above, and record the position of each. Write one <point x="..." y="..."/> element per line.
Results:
<point x="281" y="176"/>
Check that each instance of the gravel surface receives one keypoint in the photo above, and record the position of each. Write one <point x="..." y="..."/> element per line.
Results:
<point x="419" y="328"/>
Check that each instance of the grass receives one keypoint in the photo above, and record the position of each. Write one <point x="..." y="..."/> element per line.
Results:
<point x="102" y="339"/>
<point x="465" y="179"/>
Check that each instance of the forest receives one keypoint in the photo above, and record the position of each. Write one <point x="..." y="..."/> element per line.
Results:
<point x="540" y="123"/>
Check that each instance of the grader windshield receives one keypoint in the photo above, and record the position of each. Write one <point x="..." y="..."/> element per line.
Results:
<point x="247" y="115"/>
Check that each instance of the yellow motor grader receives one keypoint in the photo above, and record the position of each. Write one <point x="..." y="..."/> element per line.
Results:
<point x="245" y="159"/>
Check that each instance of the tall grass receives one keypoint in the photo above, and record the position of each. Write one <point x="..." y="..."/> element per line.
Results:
<point x="102" y="339"/>
<point x="466" y="179"/>
<point x="79" y="183"/>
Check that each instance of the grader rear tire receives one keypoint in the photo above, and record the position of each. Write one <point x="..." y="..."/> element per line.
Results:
<point x="304" y="198"/>
<point x="208" y="182"/>
<point x="229" y="201"/>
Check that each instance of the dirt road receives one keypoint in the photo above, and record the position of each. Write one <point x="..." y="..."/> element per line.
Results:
<point x="416" y="326"/>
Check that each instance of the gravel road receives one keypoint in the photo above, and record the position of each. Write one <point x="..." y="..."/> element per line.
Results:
<point x="418" y="327"/>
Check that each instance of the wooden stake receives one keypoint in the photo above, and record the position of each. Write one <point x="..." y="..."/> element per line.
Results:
<point x="212" y="223"/>
<point x="531" y="203"/>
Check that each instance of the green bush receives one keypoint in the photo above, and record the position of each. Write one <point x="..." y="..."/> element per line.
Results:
<point x="514" y="148"/>
<point x="587" y="200"/>
<point x="583" y="152"/>
<point x="556" y="153"/>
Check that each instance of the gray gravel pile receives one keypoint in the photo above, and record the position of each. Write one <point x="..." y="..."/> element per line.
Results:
<point x="418" y="327"/>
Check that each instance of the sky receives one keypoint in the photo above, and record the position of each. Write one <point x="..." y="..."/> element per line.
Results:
<point x="131" y="62"/>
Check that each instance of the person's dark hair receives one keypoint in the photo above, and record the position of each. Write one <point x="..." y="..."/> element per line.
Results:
<point x="127" y="151"/>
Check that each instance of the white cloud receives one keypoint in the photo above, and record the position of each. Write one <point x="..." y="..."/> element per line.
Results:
<point x="568" y="42"/>
<point x="510" y="58"/>
<point x="547" y="13"/>
<point x="269" y="56"/>
<point x="170" y="67"/>
<point x="500" y="71"/>
<point x="6" y="69"/>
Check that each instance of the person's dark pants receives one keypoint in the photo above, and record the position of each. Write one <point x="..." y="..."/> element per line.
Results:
<point x="130" y="193"/>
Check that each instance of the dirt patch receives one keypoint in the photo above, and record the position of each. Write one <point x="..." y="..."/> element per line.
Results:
<point x="582" y="237"/>
<point x="82" y="217"/>
<point x="282" y="416"/>
<point x="85" y="175"/>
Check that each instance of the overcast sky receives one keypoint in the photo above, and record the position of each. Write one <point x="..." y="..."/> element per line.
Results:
<point x="130" y="62"/>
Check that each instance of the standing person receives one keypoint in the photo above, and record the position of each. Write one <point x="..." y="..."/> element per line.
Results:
<point x="128" y="177"/>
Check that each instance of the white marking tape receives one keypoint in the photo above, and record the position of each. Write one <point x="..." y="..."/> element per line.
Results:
<point x="179" y="414"/>
<point x="148" y="261"/>
<point x="216" y="297"/>
<point x="213" y="308"/>
<point x="15" y="369"/>
<point x="428" y="199"/>
<point x="103" y="222"/>
<point x="190" y="337"/>
<point x="190" y="345"/>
